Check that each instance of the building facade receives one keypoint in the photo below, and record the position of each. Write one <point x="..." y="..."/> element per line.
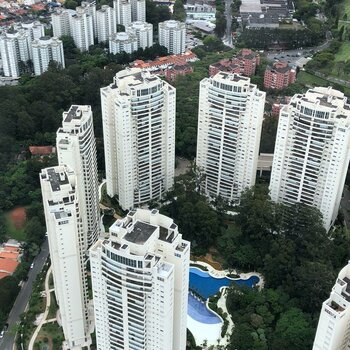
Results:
<point x="333" y="330"/>
<point x="138" y="10"/>
<point x="140" y="278"/>
<point x="76" y="148"/>
<point x="138" y="112"/>
<point x="143" y="32"/>
<point x="230" y="117"/>
<point x="62" y="208"/>
<point x="82" y="29"/>
<point x="122" y="12"/>
<point x="279" y="76"/>
<point x="15" y="47"/>
<point x="172" y="35"/>
<point x="105" y="23"/>
<point x="60" y="23"/>
<point x="122" y="41"/>
<point x="312" y="151"/>
<point x="45" y="50"/>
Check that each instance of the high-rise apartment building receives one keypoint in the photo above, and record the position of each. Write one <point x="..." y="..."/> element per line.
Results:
<point x="140" y="284"/>
<point x="172" y="35"/>
<point x="82" y="29"/>
<point x="35" y="28"/>
<point x="122" y="12"/>
<point x="90" y="8"/>
<point x="45" y="50"/>
<point x="312" y="151"/>
<point x="105" y="23"/>
<point x="60" y="22"/>
<point x="333" y="330"/>
<point x="15" y="47"/>
<point x="123" y="41"/>
<point x="138" y="10"/>
<point x="230" y="118"/>
<point x="63" y="215"/>
<point x="143" y="32"/>
<point x="76" y="148"/>
<point x="138" y="112"/>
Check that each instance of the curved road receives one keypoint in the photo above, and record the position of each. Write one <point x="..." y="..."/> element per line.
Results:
<point x="21" y="302"/>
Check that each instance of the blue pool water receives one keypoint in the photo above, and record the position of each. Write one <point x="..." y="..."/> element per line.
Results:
<point x="199" y="312"/>
<point x="206" y="286"/>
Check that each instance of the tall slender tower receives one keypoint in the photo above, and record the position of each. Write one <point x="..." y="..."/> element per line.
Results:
<point x="140" y="284"/>
<point x="312" y="151"/>
<point x="82" y="28"/>
<point x="76" y="148"/>
<point x="138" y="112"/>
<point x="333" y="330"/>
<point x="64" y="224"/>
<point x="122" y="12"/>
<point x="105" y="23"/>
<point x="230" y="117"/>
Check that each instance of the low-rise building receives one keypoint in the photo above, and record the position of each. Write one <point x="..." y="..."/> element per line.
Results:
<point x="279" y="76"/>
<point x="244" y="63"/>
<point x="177" y="69"/>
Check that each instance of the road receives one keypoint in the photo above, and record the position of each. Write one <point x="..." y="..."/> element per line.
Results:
<point x="292" y="55"/>
<point x="23" y="297"/>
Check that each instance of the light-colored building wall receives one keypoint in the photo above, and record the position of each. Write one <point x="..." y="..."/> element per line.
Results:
<point x="122" y="12"/>
<point x="45" y="50"/>
<point x="60" y="23"/>
<point x="138" y="10"/>
<point x="122" y="41"/>
<point x="62" y="208"/>
<point x="76" y="148"/>
<point x="172" y="35"/>
<point x="81" y="27"/>
<point x="333" y="330"/>
<point x="143" y="246"/>
<point x="105" y="23"/>
<point x="138" y="112"/>
<point x="312" y="151"/>
<point x="230" y="118"/>
<point x="143" y="32"/>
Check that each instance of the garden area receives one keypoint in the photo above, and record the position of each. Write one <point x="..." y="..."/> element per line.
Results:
<point x="50" y="337"/>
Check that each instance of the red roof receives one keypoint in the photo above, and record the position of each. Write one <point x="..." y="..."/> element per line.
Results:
<point x="8" y="265"/>
<point x="41" y="150"/>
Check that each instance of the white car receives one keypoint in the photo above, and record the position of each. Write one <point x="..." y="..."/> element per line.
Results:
<point x="32" y="265"/>
<point x="2" y="334"/>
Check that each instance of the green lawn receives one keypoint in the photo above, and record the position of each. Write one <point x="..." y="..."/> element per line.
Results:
<point x="309" y="79"/>
<point x="12" y="232"/>
<point x="344" y="52"/>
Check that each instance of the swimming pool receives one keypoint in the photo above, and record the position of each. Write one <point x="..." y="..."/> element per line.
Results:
<point x="199" y="312"/>
<point x="206" y="286"/>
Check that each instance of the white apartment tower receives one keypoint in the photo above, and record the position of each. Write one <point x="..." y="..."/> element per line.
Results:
<point x="45" y="50"/>
<point x="122" y="12"/>
<point x="82" y="30"/>
<point x="140" y="284"/>
<point x="143" y="32"/>
<point x="230" y="118"/>
<point x="105" y="23"/>
<point x="138" y="10"/>
<point x="35" y="28"/>
<point x="60" y="23"/>
<point x="138" y="112"/>
<point x="76" y="148"/>
<point x="123" y="41"/>
<point x="172" y="35"/>
<point x="333" y="330"/>
<point x="90" y="8"/>
<point x="62" y="208"/>
<point x="15" y="46"/>
<point x="312" y="151"/>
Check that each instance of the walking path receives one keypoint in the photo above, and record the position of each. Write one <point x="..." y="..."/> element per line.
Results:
<point x="48" y="303"/>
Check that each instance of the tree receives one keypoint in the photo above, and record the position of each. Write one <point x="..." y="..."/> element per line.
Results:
<point x="293" y="331"/>
<point x="212" y="43"/>
<point x="179" y="13"/>
<point x="70" y="4"/>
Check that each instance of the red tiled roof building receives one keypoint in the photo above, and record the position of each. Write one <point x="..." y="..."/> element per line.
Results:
<point x="244" y="63"/>
<point x="279" y="76"/>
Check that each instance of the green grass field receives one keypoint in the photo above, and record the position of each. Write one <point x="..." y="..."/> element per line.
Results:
<point x="344" y="52"/>
<point x="12" y="231"/>
<point x="309" y="79"/>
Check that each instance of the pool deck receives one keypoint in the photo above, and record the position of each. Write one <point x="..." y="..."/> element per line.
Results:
<point x="212" y="332"/>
